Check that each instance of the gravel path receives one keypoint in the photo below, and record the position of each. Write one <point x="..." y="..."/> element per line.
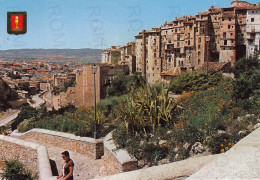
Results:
<point x="85" y="167"/>
<point x="8" y="119"/>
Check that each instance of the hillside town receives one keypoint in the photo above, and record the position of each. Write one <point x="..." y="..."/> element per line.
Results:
<point x="219" y="35"/>
<point x="179" y="102"/>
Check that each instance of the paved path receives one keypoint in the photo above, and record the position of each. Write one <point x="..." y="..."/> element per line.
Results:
<point x="85" y="167"/>
<point x="9" y="118"/>
<point x="38" y="101"/>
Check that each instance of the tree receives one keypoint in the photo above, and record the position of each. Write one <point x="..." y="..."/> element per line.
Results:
<point x="246" y="85"/>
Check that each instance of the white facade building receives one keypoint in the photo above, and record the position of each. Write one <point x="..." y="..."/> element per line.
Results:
<point x="253" y="31"/>
<point x="105" y="57"/>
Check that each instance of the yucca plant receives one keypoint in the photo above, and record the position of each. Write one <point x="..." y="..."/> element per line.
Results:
<point x="146" y="108"/>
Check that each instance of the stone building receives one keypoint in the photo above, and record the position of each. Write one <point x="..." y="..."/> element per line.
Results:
<point x="128" y="56"/>
<point x="83" y="92"/>
<point x="59" y="80"/>
<point x="228" y="36"/>
<point x="148" y="58"/>
<point x="64" y="98"/>
<point x="105" y="55"/>
<point x="219" y="35"/>
<point x="253" y="30"/>
<point x="111" y="55"/>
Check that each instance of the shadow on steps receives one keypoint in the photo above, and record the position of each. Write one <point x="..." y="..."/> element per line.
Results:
<point x="54" y="168"/>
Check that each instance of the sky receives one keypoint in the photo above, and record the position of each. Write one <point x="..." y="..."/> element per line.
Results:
<point x="94" y="24"/>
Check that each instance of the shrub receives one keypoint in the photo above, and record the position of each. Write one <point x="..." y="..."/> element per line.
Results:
<point x="26" y="113"/>
<point x="27" y="124"/>
<point x="146" y="108"/>
<point x="106" y="106"/>
<point x="195" y="81"/>
<point x="14" y="170"/>
<point x="118" y="85"/>
<point x="122" y="84"/>
<point x="144" y="112"/>
<point x="246" y="85"/>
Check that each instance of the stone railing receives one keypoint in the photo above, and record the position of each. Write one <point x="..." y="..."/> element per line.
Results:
<point x="93" y="148"/>
<point x="116" y="161"/>
<point x="176" y="170"/>
<point x="32" y="155"/>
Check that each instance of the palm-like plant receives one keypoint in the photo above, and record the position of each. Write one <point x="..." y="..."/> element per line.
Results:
<point x="146" y="108"/>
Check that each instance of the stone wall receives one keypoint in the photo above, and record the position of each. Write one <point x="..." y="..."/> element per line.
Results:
<point x="116" y="161"/>
<point x="33" y="156"/>
<point x="83" y="145"/>
<point x="177" y="170"/>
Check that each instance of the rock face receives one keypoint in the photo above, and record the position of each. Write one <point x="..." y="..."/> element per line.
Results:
<point x="6" y="94"/>
<point x="197" y="148"/>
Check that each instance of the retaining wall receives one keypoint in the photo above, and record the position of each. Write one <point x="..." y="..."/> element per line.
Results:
<point x="32" y="155"/>
<point x="116" y="161"/>
<point x="90" y="147"/>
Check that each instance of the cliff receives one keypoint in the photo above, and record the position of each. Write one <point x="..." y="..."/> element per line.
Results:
<point x="6" y="94"/>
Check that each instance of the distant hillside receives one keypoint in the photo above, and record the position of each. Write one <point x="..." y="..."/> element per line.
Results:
<point x="51" y="52"/>
<point x="6" y="94"/>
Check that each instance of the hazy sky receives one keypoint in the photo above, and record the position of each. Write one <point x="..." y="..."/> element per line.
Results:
<point x="92" y="23"/>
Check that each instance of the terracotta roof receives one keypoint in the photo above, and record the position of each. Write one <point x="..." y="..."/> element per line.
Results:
<point x="228" y="14"/>
<point x="169" y="23"/>
<point x="204" y="13"/>
<point x="215" y="10"/>
<point x="13" y="67"/>
<point x="248" y="7"/>
<point x="214" y="66"/>
<point x="27" y="68"/>
<point x="173" y="72"/>
<point x="188" y="22"/>
<point x="180" y="19"/>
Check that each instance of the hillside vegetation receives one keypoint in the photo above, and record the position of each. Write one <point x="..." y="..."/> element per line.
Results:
<point x="157" y="129"/>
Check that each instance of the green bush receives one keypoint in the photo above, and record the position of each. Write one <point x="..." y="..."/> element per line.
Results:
<point x="27" y="124"/>
<point x="199" y="117"/>
<point x="246" y="85"/>
<point x="14" y="170"/>
<point x="26" y="113"/>
<point x="140" y="115"/>
<point x="122" y="84"/>
<point x="106" y="106"/>
<point x="195" y="81"/>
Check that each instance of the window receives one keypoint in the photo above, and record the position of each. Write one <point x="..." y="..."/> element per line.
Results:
<point x="224" y="34"/>
<point x="225" y="42"/>
<point x="229" y="19"/>
<point x="199" y="39"/>
<point x="252" y="19"/>
<point x="155" y="62"/>
<point x="228" y="26"/>
<point x="253" y="12"/>
<point x="231" y="34"/>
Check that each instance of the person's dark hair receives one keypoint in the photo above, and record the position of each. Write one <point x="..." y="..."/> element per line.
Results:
<point x="66" y="153"/>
